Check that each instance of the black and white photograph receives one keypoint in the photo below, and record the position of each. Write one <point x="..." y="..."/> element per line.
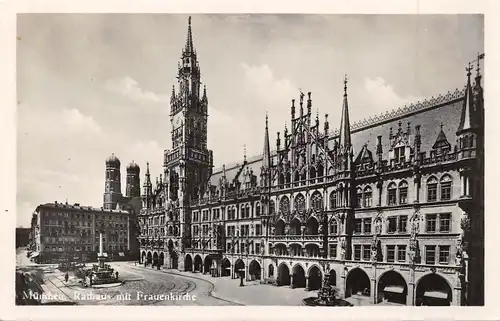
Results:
<point x="250" y="159"/>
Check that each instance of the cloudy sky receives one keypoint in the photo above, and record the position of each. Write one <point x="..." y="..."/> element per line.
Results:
<point x="92" y="85"/>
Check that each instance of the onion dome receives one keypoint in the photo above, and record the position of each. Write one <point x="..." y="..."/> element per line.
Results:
<point x="133" y="167"/>
<point x="113" y="161"/>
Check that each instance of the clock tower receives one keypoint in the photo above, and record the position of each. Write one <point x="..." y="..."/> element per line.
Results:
<point x="188" y="165"/>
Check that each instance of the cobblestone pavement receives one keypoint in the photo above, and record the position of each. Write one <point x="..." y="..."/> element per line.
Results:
<point x="142" y="287"/>
<point x="253" y="293"/>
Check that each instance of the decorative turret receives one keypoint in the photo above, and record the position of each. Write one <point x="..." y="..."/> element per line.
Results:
<point x="266" y="159"/>
<point x="147" y="188"/>
<point x="345" y="147"/>
<point x="292" y="109"/>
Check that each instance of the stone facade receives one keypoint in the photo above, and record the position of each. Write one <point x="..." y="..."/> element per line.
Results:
<point x="389" y="208"/>
<point x="61" y="231"/>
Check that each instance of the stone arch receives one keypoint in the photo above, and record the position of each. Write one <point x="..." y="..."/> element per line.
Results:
<point x="316" y="201"/>
<point x="312" y="249"/>
<point x="207" y="264"/>
<point x="280" y="249"/>
<point x="188" y="263"/>
<point x="155" y="258"/>
<point x="239" y="267"/>
<point x="198" y="264"/>
<point x="174" y="260"/>
<point x="161" y="259"/>
<point x="357" y="282"/>
<point x="392" y="287"/>
<point x="143" y="256"/>
<point x="315" y="277"/>
<point x="149" y="258"/>
<point x="283" y="274"/>
<point x="433" y="289"/>
<point x="226" y="267"/>
<point x="280" y="227"/>
<point x="332" y="277"/>
<point x="312" y="226"/>
<point x="295" y="227"/>
<point x="254" y="270"/>
<point x="299" y="276"/>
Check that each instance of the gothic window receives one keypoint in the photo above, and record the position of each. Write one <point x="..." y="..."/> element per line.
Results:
<point x="320" y="170"/>
<point x="242" y="213"/>
<point x="288" y="178"/>
<point x="317" y="201"/>
<point x="296" y="178"/>
<point x="334" y="228"/>
<point x="359" y="197"/>
<point x="367" y="197"/>
<point x="391" y="194"/>
<point x="303" y="176"/>
<point x="248" y="211"/>
<point x="257" y="209"/>
<point x="403" y="192"/>
<point x="432" y="189"/>
<point x="300" y="203"/>
<point x="312" y="173"/>
<point x="272" y="207"/>
<point x="285" y="205"/>
<point x="281" y="179"/>
<point x="445" y="187"/>
<point x="333" y="200"/>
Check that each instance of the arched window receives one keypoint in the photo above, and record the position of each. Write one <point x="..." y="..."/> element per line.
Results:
<point x="296" y="177"/>
<point x="334" y="228"/>
<point x="285" y="205"/>
<point x="359" y="197"/>
<point x="446" y="184"/>
<point x="242" y="213"/>
<point x="367" y="194"/>
<point x="333" y="200"/>
<point x="403" y="192"/>
<point x="432" y="189"/>
<point x="312" y="173"/>
<point x="281" y="179"/>
<point x="300" y="203"/>
<point x="288" y="178"/>
<point x="271" y="270"/>
<point x="317" y="201"/>
<point x="257" y="209"/>
<point x="248" y="211"/>
<point x="391" y="194"/>
<point x="272" y="207"/>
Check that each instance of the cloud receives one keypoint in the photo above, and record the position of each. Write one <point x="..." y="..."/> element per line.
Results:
<point x="77" y="122"/>
<point x="130" y="89"/>
<point x="261" y="81"/>
<point x="377" y="96"/>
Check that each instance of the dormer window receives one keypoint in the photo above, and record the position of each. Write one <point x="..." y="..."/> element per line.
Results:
<point x="399" y="154"/>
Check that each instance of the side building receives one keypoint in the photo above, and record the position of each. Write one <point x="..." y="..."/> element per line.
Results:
<point x="388" y="209"/>
<point x="62" y="232"/>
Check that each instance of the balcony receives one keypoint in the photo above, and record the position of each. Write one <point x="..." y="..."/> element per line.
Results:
<point x="296" y="238"/>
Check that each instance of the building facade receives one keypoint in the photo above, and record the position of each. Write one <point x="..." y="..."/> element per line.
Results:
<point x="389" y="209"/>
<point x="62" y="232"/>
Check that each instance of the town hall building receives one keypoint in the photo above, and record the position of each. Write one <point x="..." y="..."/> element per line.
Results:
<point x="388" y="209"/>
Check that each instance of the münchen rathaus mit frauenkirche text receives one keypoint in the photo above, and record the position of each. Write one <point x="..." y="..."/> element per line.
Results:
<point x="401" y="216"/>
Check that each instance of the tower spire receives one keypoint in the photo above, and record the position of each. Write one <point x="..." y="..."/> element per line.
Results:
<point x="189" y="39"/>
<point x="345" y="130"/>
<point x="467" y="117"/>
<point x="266" y="158"/>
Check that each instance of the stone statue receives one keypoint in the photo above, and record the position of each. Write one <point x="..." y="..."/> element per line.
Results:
<point x="378" y="226"/>
<point x="262" y="247"/>
<point x="342" y="249"/>
<point x="374" y="249"/>
<point x="303" y="230"/>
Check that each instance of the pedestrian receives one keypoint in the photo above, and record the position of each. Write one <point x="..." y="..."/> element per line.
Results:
<point x="116" y="273"/>
<point x="66" y="277"/>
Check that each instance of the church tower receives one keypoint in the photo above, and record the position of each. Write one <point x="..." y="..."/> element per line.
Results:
<point x="133" y="188"/>
<point x="188" y="164"/>
<point x="112" y="189"/>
